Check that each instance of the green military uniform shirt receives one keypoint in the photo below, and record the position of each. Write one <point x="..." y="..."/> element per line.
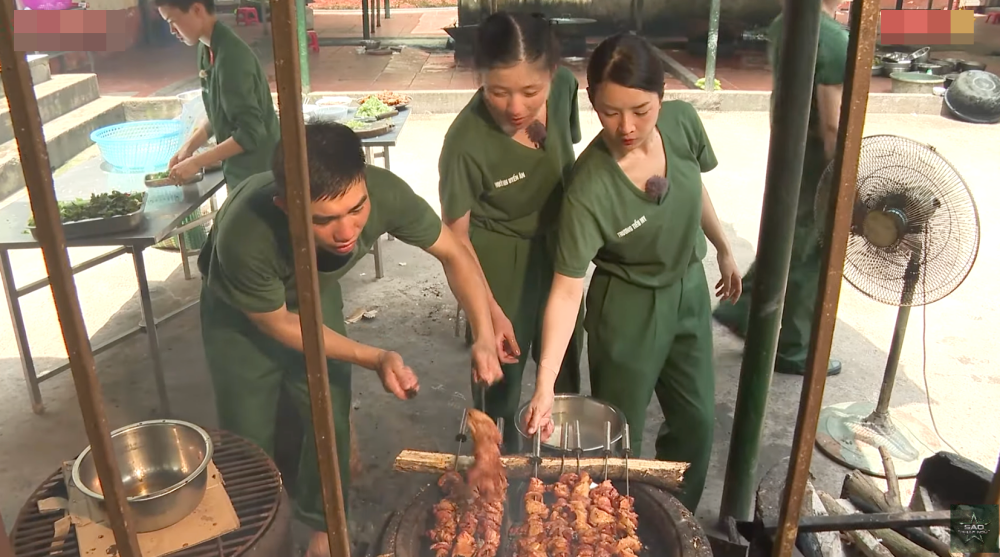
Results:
<point x="509" y="188"/>
<point x="248" y="258"/>
<point x="607" y="219"/>
<point x="238" y="103"/>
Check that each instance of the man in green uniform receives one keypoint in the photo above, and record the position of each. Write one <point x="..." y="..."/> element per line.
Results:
<point x="238" y="103"/>
<point x="806" y="262"/>
<point x="505" y="197"/>
<point x="250" y="327"/>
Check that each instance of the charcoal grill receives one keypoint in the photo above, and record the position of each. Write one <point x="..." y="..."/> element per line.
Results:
<point x="666" y="527"/>
<point x="251" y="480"/>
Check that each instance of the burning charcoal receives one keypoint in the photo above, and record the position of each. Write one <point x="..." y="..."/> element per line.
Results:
<point x="537" y="133"/>
<point x="656" y="188"/>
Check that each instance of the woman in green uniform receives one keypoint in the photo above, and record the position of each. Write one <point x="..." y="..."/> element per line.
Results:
<point x="502" y="170"/>
<point x="637" y="208"/>
<point x="249" y="322"/>
<point x="238" y="104"/>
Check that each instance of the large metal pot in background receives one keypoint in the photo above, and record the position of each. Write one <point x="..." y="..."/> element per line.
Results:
<point x="164" y="466"/>
<point x="590" y="413"/>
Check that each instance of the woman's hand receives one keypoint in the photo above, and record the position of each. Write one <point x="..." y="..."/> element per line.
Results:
<point x="184" y="170"/>
<point x="730" y="286"/>
<point x="507" y="348"/>
<point x="539" y="415"/>
<point x="182" y="154"/>
<point x="485" y="363"/>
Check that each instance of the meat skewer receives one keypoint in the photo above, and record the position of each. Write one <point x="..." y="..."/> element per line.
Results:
<point x="531" y="542"/>
<point x="446" y="510"/>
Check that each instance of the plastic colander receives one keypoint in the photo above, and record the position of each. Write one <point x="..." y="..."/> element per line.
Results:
<point x="139" y="146"/>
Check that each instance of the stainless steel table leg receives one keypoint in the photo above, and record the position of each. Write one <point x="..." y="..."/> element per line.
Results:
<point x="20" y="333"/>
<point x="385" y="159"/>
<point x="149" y="319"/>
<point x="185" y="264"/>
<point x="377" y="251"/>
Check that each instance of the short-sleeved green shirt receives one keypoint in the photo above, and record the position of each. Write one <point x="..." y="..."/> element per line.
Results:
<point x="507" y="187"/>
<point x="607" y="220"/>
<point x="238" y="103"/>
<point x="831" y="67"/>
<point x="248" y="260"/>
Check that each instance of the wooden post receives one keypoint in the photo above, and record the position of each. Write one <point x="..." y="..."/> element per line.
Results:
<point x="6" y="550"/>
<point x="287" y="76"/>
<point x="27" y="124"/>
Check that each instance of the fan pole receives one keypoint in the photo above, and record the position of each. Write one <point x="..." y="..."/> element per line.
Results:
<point x="880" y="417"/>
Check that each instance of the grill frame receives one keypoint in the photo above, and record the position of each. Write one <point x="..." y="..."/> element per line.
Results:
<point x="404" y="534"/>
<point x="251" y="480"/>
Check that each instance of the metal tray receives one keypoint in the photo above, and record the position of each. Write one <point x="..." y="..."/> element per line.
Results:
<point x="162" y="182"/>
<point x="102" y="227"/>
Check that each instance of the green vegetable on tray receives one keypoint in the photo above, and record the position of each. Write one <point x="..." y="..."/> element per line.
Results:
<point x="99" y="206"/>
<point x="158" y="175"/>
<point x="356" y="124"/>
<point x="372" y="108"/>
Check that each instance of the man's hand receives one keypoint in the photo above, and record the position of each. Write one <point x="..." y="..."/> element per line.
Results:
<point x="507" y="347"/>
<point x="397" y="378"/>
<point x="184" y="170"/>
<point x="180" y="156"/>
<point x="485" y="363"/>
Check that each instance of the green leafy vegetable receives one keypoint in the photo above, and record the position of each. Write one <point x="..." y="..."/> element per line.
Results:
<point x="355" y="124"/>
<point x="372" y="108"/>
<point x="158" y="175"/>
<point x="99" y="206"/>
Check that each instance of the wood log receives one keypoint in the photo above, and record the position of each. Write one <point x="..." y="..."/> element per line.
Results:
<point x="663" y="474"/>
<point x="894" y="541"/>
<point x="922" y="501"/>
<point x="865" y="541"/>
<point x="830" y="543"/>
<point x="892" y="495"/>
<point x="864" y="494"/>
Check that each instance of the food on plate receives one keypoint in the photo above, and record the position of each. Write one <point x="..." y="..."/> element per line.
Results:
<point x="333" y="101"/>
<point x="467" y="521"/>
<point x="372" y="108"/>
<point x="356" y="124"/>
<point x="389" y="98"/>
<point x="99" y="206"/>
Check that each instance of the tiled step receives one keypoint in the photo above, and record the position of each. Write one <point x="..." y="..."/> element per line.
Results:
<point x="65" y="136"/>
<point x="40" y="72"/>
<point x="60" y="95"/>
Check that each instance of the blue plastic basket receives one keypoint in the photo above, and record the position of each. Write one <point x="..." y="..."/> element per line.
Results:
<point x="139" y="146"/>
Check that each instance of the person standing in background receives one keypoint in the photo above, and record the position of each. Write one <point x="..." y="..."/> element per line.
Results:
<point x="821" y="143"/>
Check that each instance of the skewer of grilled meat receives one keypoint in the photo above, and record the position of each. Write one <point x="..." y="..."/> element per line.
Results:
<point x="557" y="529"/>
<point x="531" y="534"/>
<point x="627" y="523"/>
<point x="487" y="475"/>
<point x="445" y="515"/>
<point x="465" y="542"/>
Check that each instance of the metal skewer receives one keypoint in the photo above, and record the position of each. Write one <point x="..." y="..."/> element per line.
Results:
<point x="564" y="446"/>
<point x="461" y="436"/>
<point x="607" y="447"/>
<point x="579" y="445"/>
<point x="536" y="452"/>
<point x="627" y="449"/>
<point x="500" y="424"/>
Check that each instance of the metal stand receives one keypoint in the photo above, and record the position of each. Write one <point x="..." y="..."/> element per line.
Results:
<point x="377" y="249"/>
<point x="851" y="433"/>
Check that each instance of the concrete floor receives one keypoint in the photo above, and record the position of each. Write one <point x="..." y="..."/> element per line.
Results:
<point x="415" y="317"/>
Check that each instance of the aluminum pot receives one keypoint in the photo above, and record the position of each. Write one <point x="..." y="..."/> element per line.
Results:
<point x="164" y="466"/>
<point x="889" y="67"/>
<point x="915" y="83"/>
<point x="592" y="415"/>
<point x="929" y="67"/>
<point x="967" y="65"/>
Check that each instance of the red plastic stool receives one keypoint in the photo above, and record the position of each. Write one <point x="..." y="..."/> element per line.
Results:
<point x="993" y="18"/>
<point x="313" y="40"/>
<point x="246" y="16"/>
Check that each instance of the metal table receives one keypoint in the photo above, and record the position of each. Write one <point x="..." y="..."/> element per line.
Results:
<point x="383" y="141"/>
<point x="165" y="209"/>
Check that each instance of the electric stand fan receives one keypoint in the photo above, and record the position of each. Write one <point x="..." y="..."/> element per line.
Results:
<point x="914" y="238"/>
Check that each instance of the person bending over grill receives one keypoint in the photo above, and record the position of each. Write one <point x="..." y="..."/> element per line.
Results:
<point x="637" y="208"/>
<point x="503" y="166"/>
<point x="250" y="327"/>
<point x="238" y="104"/>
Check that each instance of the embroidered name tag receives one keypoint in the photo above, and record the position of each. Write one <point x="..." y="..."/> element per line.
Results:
<point x="628" y="229"/>
<point x="508" y="181"/>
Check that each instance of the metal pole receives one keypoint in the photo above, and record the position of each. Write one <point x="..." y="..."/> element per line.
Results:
<point x="34" y="154"/>
<point x="712" y="52"/>
<point x="365" y="29"/>
<point x="899" y="4"/>
<point x="854" y="105"/>
<point x="287" y="78"/>
<point x="300" y="17"/>
<point x="793" y="94"/>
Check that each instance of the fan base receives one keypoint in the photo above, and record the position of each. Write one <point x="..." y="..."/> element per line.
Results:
<point x="849" y="434"/>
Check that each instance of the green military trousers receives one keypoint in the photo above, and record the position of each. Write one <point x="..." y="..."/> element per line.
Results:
<point x="248" y="371"/>
<point x="800" y="293"/>
<point x="519" y="272"/>
<point x="643" y="341"/>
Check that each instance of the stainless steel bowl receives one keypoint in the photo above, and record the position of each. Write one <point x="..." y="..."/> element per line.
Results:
<point x="164" y="466"/>
<point x="592" y="415"/>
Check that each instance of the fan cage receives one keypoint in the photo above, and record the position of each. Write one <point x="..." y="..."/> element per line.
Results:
<point x="944" y="242"/>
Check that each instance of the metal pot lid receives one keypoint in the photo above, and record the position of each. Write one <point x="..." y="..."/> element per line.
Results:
<point x="974" y="96"/>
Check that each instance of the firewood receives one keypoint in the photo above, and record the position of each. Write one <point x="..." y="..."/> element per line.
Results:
<point x="892" y="495"/>
<point x="894" y="541"/>
<point x="864" y="540"/>
<point x="663" y="474"/>
<point x="864" y="494"/>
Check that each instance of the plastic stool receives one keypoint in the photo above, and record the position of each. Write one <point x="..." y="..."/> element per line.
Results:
<point x="246" y="16"/>
<point x="313" y="40"/>
<point x="993" y="18"/>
